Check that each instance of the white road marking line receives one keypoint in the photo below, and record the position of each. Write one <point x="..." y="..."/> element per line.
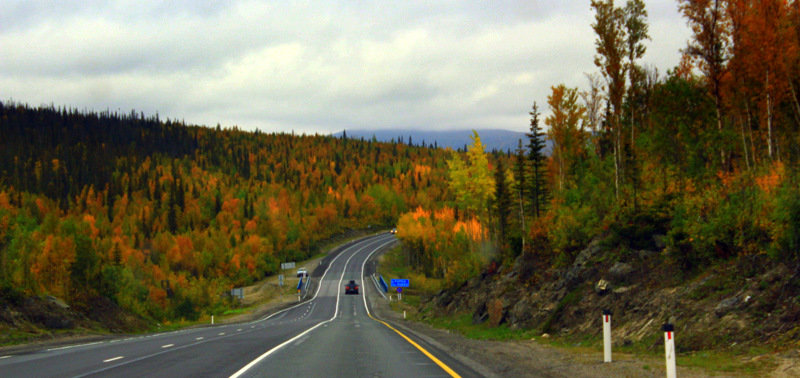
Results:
<point x="74" y="346"/>
<point x="364" y="264"/>
<point x="142" y="358"/>
<point x="199" y="338"/>
<point x="239" y="330"/>
<point x="113" y="359"/>
<point x="167" y="346"/>
<point x="221" y="334"/>
<point x="335" y="312"/>
<point x="4" y="357"/>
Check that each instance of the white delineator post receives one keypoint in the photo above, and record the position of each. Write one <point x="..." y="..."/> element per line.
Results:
<point x="669" y="349"/>
<point x="606" y="335"/>
<point x="212" y="319"/>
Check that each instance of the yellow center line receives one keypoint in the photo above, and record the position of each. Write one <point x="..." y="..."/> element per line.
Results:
<point x="421" y="349"/>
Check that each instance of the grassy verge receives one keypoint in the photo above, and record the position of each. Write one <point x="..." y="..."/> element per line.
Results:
<point x="748" y="362"/>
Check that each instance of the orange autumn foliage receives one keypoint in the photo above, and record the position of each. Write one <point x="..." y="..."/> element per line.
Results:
<point x="772" y="179"/>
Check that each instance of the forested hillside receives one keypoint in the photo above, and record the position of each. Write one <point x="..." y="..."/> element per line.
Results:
<point x="163" y="217"/>
<point x="655" y="180"/>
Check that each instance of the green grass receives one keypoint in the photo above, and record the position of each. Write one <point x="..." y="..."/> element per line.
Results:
<point x="715" y="362"/>
<point x="463" y="324"/>
<point x="15" y="337"/>
<point x="11" y="337"/>
<point x="392" y="264"/>
<point x="234" y="311"/>
<point x="743" y="362"/>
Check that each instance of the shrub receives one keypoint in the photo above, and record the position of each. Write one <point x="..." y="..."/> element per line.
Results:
<point x="786" y="216"/>
<point x="573" y="226"/>
<point x="186" y="310"/>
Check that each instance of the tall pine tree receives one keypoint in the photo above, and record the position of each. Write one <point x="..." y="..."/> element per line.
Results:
<point x="536" y="144"/>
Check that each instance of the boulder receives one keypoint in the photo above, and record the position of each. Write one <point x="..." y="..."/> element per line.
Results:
<point x="602" y="287"/>
<point x="620" y="271"/>
<point x="727" y="305"/>
<point x="622" y="290"/>
<point x="578" y="270"/>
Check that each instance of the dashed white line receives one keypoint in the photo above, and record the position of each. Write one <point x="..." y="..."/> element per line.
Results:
<point x="324" y="323"/>
<point x="113" y="359"/>
<point x="221" y="334"/>
<point x="167" y="346"/>
<point x="4" y="357"/>
<point x="199" y="338"/>
<point x="239" y="330"/>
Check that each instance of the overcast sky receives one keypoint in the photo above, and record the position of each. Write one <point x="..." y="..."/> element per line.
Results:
<point x="310" y="66"/>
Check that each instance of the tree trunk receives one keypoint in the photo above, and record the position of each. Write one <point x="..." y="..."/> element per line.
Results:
<point x="750" y="129"/>
<point x="744" y="145"/>
<point x="616" y="168"/>
<point x="560" y="169"/>
<point x="719" y="128"/>
<point x="796" y="103"/>
<point x="522" y="220"/>
<point x="632" y="170"/>
<point x="769" y="122"/>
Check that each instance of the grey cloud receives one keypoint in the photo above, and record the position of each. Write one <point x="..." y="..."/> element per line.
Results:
<point x="309" y="66"/>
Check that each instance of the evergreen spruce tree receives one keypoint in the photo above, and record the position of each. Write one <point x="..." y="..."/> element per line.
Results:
<point x="536" y="144"/>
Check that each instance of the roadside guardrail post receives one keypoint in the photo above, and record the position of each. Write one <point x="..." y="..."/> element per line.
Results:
<point x="606" y="335"/>
<point x="669" y="349"/>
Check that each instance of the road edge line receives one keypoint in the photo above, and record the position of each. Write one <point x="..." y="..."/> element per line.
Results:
<point x="335" y="314"/>
<point x="275" y="349"/>
<point x="424" y="351"/>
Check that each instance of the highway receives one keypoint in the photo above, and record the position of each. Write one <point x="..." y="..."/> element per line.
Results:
<point x="330" y="335"/>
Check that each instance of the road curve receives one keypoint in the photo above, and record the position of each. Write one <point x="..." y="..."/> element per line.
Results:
<point x="332" y="334"/>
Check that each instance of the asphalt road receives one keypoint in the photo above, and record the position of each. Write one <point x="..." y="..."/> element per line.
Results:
<point x="329" y="335"/>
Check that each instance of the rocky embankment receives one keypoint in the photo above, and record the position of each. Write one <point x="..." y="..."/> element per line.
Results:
<point x="743" y="302"/>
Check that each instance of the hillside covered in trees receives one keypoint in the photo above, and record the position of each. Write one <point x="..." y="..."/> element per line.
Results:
<point x="162" y="217"/>
<point x="665" y="177"/>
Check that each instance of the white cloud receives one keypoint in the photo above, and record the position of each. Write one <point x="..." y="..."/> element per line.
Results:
<point x="310" y="66"/>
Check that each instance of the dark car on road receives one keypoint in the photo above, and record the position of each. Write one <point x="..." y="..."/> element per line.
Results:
<point x="351" y="287"/>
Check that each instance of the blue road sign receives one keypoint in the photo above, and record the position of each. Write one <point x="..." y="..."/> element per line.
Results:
<point x="399" y="289"/>
<point x="400" y="282"/>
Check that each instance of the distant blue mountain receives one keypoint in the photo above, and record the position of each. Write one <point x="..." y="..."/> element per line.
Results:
<point x="492" y="139"/>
